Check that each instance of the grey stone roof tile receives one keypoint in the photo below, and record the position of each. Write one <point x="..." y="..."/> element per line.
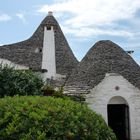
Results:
<point x="104" y="57"/>
<point x="24" y="53"/>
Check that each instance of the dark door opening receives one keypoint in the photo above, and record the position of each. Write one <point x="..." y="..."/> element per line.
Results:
<point x="118" y="120"/>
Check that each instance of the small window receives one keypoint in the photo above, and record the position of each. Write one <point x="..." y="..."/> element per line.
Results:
<point x="44" y="70"/>
<point x="48" y="27"/>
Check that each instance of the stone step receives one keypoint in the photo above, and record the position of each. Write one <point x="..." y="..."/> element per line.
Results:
<point x="76" y="89"/>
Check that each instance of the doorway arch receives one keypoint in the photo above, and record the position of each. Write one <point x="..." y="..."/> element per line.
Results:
<point x="118" y="117"/>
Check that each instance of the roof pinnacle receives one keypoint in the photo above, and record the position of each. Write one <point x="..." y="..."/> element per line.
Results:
<point x="50" y="13"/>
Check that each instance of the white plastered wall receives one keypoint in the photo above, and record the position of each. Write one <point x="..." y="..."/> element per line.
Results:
<point x="48" y="57"/>
<point x="101" y="94"/>
<point x="11" y="64"/>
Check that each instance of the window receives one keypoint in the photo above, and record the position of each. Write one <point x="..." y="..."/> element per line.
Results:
<point x="48" y="27"/>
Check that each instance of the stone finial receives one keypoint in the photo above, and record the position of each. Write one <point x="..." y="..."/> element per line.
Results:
<point x="50" y="13"/>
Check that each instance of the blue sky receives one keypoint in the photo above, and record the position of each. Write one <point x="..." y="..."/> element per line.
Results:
<point x="84" y="22"/>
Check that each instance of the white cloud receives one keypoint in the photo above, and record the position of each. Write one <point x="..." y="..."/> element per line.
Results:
<point x="4" y="17"/>
<point x="89" y="32"/>
<point x="133" y="45"/>
<point x="21" y="17"/>
<point x="94" y="13"/>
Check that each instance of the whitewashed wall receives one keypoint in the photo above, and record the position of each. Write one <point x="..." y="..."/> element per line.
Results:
<point x="48" y="57"/>
<point x="11" y="64"/>
<point x="100" y="96"/>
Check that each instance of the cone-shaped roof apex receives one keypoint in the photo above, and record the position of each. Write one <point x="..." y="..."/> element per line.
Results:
<point x="105" y="57"/>
<point x="25" y="53"/>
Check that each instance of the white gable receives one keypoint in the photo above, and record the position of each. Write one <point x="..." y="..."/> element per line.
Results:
<point x="115" y="85"/>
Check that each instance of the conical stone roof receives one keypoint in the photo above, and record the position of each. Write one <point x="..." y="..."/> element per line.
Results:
<point x="104" y="57"/>
<point x="24" y="53"/>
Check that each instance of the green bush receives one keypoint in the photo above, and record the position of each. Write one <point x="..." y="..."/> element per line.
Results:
<point x="21" y="82"/>
<point x="49" y="90"/>
<point x="48" y="118"/>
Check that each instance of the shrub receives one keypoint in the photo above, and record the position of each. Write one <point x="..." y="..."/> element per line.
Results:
<point x="49" y="90"/>
<point x="21" y="82"/>
<point x="48" y="118"/>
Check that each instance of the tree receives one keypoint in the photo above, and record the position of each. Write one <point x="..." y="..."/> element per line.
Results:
<point x="19" y="82"/>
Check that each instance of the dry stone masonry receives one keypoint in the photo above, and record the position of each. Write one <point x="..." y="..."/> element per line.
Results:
<point x="107" y="76"/>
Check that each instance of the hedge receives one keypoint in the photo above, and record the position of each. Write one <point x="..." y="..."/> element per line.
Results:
<point x="19" y="82"/>
<point x="49" y="118"/>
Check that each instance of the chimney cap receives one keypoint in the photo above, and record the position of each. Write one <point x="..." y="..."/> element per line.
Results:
<point x="50" y="13"/>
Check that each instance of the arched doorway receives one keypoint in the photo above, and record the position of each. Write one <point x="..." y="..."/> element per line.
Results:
<point x="118" y="117"/>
